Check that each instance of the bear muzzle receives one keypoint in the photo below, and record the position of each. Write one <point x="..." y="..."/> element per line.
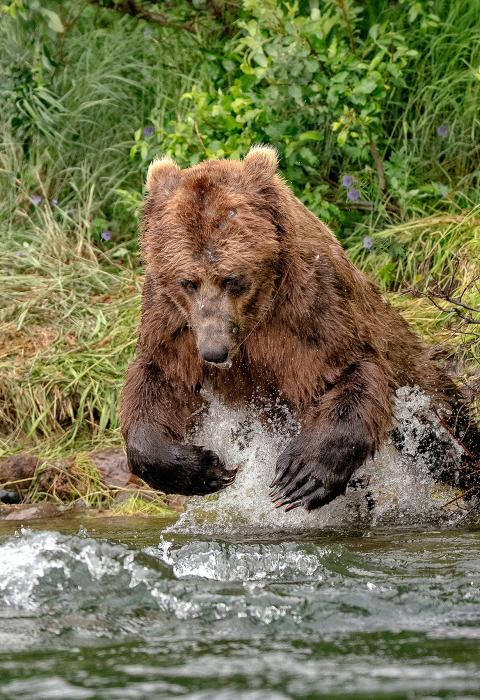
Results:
<point x="215" y="343"/>
<point x="216" y="354"/>
<point x="216" y="333"/>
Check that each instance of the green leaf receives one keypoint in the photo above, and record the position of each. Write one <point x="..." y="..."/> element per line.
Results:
<point x="311" y="136"/>
<point x="307" y="155"/>
<point x="296" y="92"/>
<point x="366" y="86"/>
<point x="276" y="130"/>
<point x="260" y="58"/>
<point x="53" y="20"/>
<point x="119" y="253"/>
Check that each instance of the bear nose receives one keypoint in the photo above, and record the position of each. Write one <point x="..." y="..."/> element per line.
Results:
<point x="215" y="355"/>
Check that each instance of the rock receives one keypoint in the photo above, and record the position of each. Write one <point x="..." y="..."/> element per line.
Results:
<point x="9" y="496"/>
<point x="17" y="472"/>
<point x="124" y="496"/>
<point x="65" y="479"/>
<point x="113" y="468"/>
<point x="57" y="479"/>
<point x="34" y="512"/>
<point x="176" y="503"/>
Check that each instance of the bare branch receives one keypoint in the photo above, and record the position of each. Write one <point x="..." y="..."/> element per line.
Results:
<point x="134" y="9"/>
<point x="342" y="5"/>
<point x="455" y="304"/>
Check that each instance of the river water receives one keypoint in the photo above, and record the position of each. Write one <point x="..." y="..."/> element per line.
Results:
<point x="112" y="609"/>
<point x="374" y="596"/>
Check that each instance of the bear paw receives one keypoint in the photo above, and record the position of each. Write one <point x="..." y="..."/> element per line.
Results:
<point x="312" y="471"/>
<point x="171" y="467"/>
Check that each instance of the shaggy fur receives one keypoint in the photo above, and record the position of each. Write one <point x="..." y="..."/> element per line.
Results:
<point x="247" y="292"/>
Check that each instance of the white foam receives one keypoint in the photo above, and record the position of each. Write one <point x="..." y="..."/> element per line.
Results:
<point x="23" y="564"/>
<point x="400" y="486"/>
<point x="242" y="562"/>
<point x="34" y="565"/>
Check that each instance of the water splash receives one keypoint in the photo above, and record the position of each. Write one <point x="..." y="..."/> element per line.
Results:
<point x="220" y="561"/>
<point x="93" y="585"/>
<point x="39" y="567"/>
<point x="392" y="488"/>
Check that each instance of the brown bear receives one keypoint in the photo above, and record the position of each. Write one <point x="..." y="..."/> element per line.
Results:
<point x="248" y="293"/>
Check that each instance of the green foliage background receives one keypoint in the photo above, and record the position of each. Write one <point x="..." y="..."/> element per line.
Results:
<point x="373" y="106"/>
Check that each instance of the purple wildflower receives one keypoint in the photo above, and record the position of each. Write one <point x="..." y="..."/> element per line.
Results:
<point x="367" y="243"/>
<point x="36" y="200"/>
<point x="106" y="235"/>
<point x="442" y="130"/>
<point x="353" y="195"/>
<point x="54" y="201"/>
<point x="347" y="181"/>
<point x="148" y="131"/>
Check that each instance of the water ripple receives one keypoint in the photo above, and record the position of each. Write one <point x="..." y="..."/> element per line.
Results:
<point x="386" y="615"/>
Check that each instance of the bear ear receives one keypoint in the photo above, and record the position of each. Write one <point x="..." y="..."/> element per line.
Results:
<point x="261" y="162"/>
<point x="163" y="172"/>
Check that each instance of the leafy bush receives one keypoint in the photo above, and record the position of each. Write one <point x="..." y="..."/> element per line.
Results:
<point x="329" y="85"/>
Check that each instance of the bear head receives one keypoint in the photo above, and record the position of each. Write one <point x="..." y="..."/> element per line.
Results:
<point x="211" y="239"/>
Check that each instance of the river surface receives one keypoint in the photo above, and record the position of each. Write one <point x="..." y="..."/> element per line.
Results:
<point x="114" y="609"/>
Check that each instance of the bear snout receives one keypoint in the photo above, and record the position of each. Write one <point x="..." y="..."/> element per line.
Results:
<point x="215" y="354"/>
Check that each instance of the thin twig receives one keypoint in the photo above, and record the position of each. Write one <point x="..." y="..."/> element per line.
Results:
<point x="378" y="166"/>
<point x="130" y="7"/>
<point x="469" y="286"/>
<point x="457" y="302"/>
<point x="457" y="439"/>
<point x="457" y="498"/>
<point x="343" y="9"/>
<point x="432" y="297"/>
<point x="455" y="311"/>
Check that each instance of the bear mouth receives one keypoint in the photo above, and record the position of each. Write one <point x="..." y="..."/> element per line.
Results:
<point x="221" y="365"/>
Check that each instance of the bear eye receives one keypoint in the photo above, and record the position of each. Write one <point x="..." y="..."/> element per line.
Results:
<point x="236" y="285"/>
<point x="189" y="285"/>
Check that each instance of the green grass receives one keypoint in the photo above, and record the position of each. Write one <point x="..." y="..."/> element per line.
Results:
<point x="71" y="300"/>
<point x="139" y="505"/>
<point x="100" y="88"/>
<point x="69" y="329"/>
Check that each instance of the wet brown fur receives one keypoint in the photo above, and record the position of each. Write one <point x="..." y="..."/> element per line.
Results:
<point x="310" y="328"/>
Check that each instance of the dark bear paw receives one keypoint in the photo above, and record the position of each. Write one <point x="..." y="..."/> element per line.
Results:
<point x="312" y="471"/>
<point x="171" y="467"/>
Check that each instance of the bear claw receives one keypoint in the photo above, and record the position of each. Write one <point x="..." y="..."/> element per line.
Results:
<point x="316" y="466"/>
<point x="172" y="467"/>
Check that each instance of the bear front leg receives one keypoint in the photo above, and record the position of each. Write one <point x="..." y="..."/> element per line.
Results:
<point x="346" y="426"/>
<point x="154" y="416"/>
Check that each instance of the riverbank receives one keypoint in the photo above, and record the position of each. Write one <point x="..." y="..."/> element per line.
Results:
<point x="97" y="482"/>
